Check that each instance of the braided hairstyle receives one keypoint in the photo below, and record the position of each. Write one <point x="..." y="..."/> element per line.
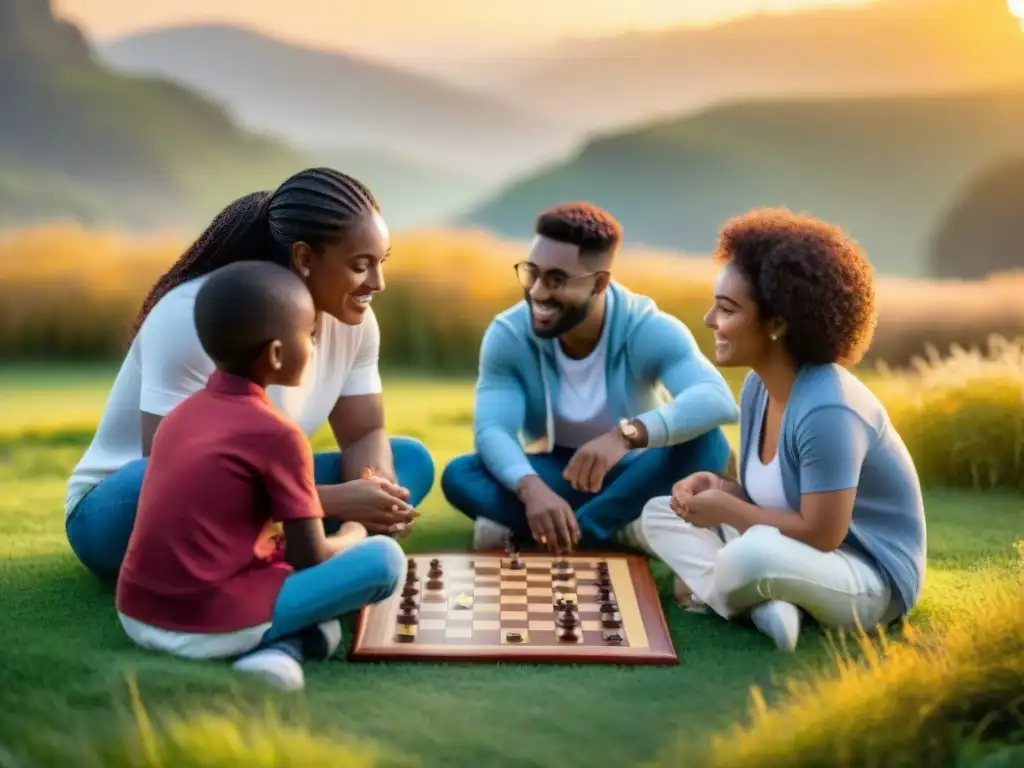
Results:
<point x="316" y="206"/>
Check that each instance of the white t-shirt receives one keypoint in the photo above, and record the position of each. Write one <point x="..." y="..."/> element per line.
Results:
<point x="166" y="363"/>
<point x="763" y="482"/>
<point x="582" y="413"/>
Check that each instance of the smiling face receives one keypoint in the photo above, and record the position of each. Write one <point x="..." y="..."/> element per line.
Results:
<point x="559" y="287"/>
<point x="742" y="337"/>
<point x="344" y="276"/>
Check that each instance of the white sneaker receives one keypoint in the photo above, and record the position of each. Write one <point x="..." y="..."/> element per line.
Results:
<point x="780" y="621"/>
<point x="488" y="534"/>
<point x="275" y="667"/>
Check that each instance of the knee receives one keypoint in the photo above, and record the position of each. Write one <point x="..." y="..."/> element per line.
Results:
<point x="748" y="560"/>
<point x="455" y="481"/>
<point x="414" y="466"/>
<point x="386" y="564"/>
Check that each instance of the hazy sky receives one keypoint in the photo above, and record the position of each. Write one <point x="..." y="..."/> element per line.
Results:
<point x="402" y="29"/>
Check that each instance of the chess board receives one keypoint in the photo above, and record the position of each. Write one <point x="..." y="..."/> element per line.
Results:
<point x="590" y="608"/>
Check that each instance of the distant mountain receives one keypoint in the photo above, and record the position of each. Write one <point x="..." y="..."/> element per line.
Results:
<point x="887" y="169"/>
<point x="78" y="141"/>
<point x="412" y="194"/>
<point x="984" y="231"/>
<point x="316" y="98"/>
<point x="892" y="46"/>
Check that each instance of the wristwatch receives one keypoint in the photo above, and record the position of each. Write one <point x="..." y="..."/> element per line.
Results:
<point x="629" y="432"/>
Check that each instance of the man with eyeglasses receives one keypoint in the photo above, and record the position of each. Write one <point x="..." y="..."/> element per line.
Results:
<point x="584" y="363"/>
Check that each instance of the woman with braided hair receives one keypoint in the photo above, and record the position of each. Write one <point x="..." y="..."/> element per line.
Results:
<point x="327" y="228"/>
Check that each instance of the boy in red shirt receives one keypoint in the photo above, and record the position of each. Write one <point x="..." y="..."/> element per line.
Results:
<point x="199" y="579"/>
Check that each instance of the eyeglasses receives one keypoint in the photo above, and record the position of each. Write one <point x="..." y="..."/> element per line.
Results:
<point x="555" y="282"/>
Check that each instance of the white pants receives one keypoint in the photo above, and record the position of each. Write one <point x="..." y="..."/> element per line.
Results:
<point x="838" y="589"/>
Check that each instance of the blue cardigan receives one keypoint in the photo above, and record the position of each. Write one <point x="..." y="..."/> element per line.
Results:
<point x="835" y="435"/>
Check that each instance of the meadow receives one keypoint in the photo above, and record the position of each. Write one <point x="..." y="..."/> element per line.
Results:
<point x="945" y="689"/>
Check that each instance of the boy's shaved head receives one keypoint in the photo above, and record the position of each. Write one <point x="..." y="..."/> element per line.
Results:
<point x="243" y="307"/>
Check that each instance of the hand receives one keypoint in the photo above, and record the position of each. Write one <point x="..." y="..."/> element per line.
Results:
<point x="587" y="468"/>
<point x="376" y="503"/>
<point x="689" y="486"/>
<point x="552" y="521"/>
<point x="352" y="530"/>
<point x="705" y="509"/>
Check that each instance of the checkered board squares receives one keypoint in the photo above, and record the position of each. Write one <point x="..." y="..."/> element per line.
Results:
<point x="479" y="607"/>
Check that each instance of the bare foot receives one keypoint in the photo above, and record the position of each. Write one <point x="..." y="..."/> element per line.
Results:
<point x="685" y="599"/>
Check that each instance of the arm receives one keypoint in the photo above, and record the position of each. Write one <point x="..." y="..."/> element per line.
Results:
<point x="357" y="419"/>
<point x="288" y="478"/>
<point x="357" y="422"/>
<point x="173" y="364"/>
<point x="500" y="411"/>
<point x="831" y="444"/>
<point x="701" y="398"/>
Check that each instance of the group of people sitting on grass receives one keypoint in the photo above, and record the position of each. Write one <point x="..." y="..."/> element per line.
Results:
<point x="597" y="422"/>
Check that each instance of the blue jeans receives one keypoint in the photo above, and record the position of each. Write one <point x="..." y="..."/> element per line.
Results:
<point x="367" y="573"/>
<point x="99" y="527"/>
<point x="472" y="489"/>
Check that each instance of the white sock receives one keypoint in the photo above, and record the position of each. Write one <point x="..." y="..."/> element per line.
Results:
<point x="488" y="534"/>
<point x="780" y="621"/>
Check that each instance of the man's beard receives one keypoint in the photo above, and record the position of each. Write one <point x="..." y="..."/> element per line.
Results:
<point x="572" y="315"/>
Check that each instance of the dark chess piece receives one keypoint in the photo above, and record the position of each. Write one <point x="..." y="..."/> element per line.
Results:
<point x="612" y="637"/>
<point x="568" y="634"/>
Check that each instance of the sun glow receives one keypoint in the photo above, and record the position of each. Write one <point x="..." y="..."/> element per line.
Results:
<point x="1017" y="9"/>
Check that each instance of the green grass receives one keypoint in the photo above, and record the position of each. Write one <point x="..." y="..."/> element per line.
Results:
<point x="66" y="668"/>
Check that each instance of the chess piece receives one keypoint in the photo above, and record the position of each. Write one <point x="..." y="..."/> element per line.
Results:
<point x="612" y="637"/>
<point x="435" y="571"/>
<point x="611" y="620"/>
<point x="609" y="607"/>
<point x="409" y="591"/>
<point x="568" y="635"/>
<point x="514" y="637"/>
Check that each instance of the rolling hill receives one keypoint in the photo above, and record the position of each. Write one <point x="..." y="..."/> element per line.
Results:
<point x="887" y="169"/>
<point x="327" y="99"/>
<point x="79" y="141"/>
<point x="412" y="194"/>
<point x="891" y="46"/>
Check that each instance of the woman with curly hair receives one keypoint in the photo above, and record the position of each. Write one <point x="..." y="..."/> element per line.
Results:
<point x="827" y="517"/>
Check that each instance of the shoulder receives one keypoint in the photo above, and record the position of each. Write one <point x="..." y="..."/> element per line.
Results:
<point x="509" y="325"/>
<point x="176" y="305"/>
<point x="340" y="336"/>
<point x="834" y="388"/>
<point x="646" y="325"/>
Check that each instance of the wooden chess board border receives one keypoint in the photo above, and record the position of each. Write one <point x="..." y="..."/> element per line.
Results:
<point x="659" y="651"/>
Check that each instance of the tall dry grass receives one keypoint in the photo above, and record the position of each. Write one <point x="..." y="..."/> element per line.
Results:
<point x="952" y="698"/>
<point x="69" y="293"/>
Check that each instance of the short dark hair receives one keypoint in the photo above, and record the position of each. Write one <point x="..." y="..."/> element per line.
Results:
<point x="242" y="307"/>
<point x="593" y="230"/>
<point x="315" y="206"/>
<point x="809" y="274"/>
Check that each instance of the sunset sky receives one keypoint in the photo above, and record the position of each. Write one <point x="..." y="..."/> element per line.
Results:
<point x="402" y="29"/>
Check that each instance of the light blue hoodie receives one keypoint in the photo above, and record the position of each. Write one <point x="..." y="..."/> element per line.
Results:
<point x="655" y="372"/>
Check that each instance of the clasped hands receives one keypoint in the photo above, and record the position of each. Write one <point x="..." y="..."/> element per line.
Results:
<point x="381" y="506"/>
<point x="551" y="519"/>
<point x="700" y="500"/>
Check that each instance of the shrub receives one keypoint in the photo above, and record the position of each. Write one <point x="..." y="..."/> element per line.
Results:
<point x="69" y="293"/>
<point x="962" y="416"/>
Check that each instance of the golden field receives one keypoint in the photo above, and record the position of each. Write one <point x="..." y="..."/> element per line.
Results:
<point x="69" y="293"/>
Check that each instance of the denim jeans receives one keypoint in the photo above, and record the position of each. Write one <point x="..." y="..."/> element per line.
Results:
<point x="99" y="527"/>
<point x="472" y="489"/>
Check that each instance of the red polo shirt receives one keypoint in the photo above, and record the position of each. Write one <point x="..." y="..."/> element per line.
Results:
<point x="224" y="465"/>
